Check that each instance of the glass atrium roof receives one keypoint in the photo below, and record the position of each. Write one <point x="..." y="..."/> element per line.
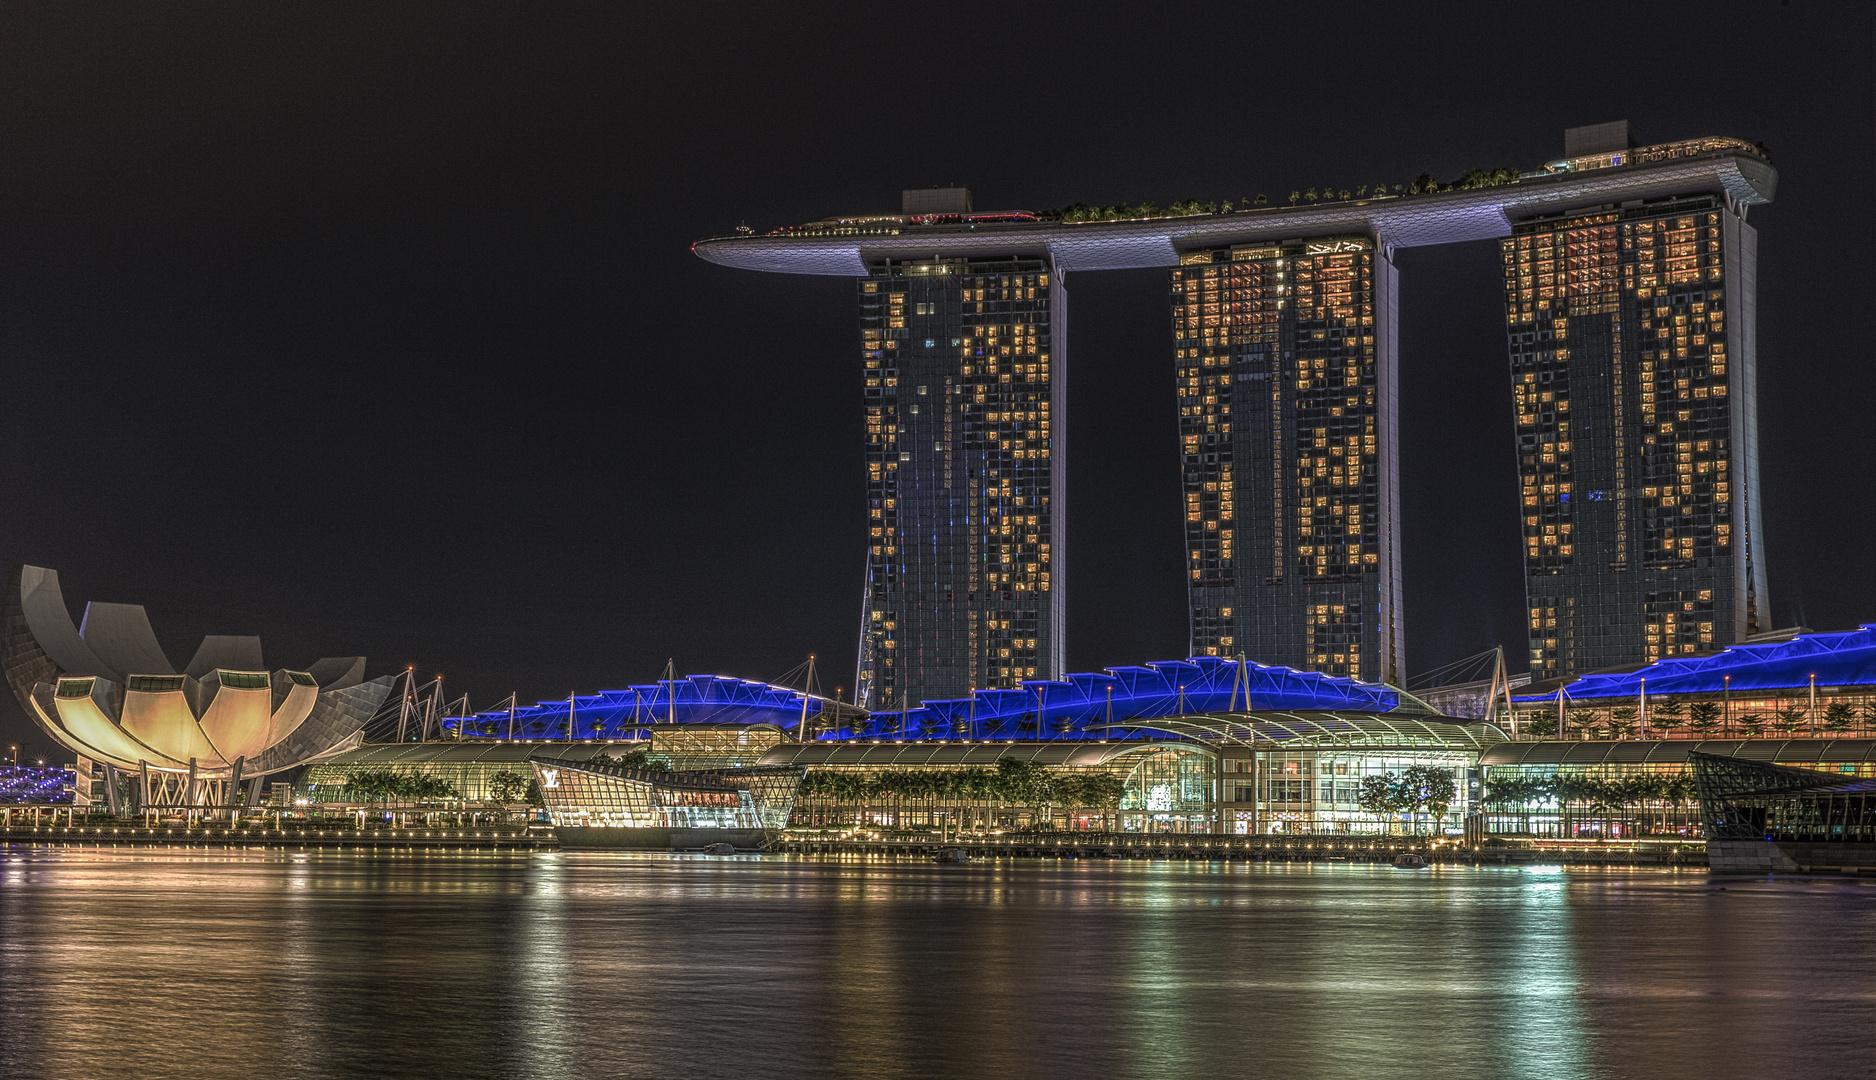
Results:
<point x="1326" y="730"/>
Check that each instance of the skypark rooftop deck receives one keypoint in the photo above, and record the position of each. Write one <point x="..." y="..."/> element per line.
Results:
<point x="844" y="246"/>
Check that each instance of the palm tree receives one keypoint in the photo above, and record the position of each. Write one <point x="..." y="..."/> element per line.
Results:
<point x="980" y="785"/>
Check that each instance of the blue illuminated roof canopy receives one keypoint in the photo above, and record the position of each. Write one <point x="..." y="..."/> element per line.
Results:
<point x="1066" y="708"/>
<point x="1835" y="659"/>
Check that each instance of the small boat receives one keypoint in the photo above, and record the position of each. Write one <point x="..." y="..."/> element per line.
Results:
<point x="1407" y="860"/>
<point x="953" y="855"/>
<point x="719" y="849"/>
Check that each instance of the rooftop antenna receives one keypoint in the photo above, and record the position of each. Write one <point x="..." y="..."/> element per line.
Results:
<point x="670" y="676"/>
<point x="511" y="715"/>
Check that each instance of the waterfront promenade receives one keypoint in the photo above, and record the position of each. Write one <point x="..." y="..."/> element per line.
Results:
<point x="344" y="835"/>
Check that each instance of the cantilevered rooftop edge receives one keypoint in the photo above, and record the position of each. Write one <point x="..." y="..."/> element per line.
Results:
<point x="1727" y="167"/>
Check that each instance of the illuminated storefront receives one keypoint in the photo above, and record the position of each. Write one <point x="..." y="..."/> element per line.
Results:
<point x="589" y="795"/>
<point x="1303" y="773"/>
<point x="1627" y="789"/>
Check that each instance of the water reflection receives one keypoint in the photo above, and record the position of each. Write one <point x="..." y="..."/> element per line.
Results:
<point x="146" y="962"/>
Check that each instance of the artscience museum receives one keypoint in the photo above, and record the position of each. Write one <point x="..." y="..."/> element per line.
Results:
<point x="105" y="690"/>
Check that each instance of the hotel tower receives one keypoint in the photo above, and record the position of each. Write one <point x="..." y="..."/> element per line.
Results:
<point x="963" y="471"/>
<point x="1633" y="341"/>
<point x="1285" y="369"/>
<point x="1629" y="292"/>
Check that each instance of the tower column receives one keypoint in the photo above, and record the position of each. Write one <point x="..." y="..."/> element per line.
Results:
<point x="1285" y="358"/>
<point x="964" y="405"/>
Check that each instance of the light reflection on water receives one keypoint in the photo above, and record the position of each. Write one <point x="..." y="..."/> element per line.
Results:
<point x="151" y="962"/>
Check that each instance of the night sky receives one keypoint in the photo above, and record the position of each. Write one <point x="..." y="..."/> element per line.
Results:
<point x="375" y="329"/>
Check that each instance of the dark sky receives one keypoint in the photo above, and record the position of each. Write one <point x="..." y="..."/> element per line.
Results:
<point x="374" y="329"/>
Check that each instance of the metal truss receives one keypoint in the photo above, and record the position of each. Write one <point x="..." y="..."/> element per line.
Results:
<point x="1837" y="659"/>
<point x="631" y="713"/>
<point x="1319" y="730"/>
<point x="1066" y="708"/>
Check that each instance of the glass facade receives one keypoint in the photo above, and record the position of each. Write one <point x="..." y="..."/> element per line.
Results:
<point x="1750" y="800"/>
<point x="963" y="421"/>
<point x="1285" y="368"/>
<point x="1164" y="786"/>
<point x="469" y="768"/>
<point x="712" y="746"/>
<point x="1635" y="788"/>
<point x="585" y="795"/>
<point x="1311" y="791"/>
<point x="1632" y="339"/>
<point x="1169" y="789"/>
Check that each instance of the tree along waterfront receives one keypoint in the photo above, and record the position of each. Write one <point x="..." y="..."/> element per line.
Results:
<point x="383" y="785"/>
<point x="1651" y="799"/>
<point x="1417" y="790"/>
<point x="970" y="797"/>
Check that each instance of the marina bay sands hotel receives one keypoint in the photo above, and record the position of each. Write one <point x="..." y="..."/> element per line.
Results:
<point x="1630" y="297"/>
